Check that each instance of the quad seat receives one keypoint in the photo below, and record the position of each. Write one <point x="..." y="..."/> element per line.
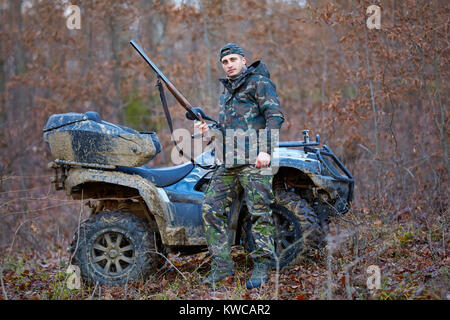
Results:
<point x="160" y="177"/>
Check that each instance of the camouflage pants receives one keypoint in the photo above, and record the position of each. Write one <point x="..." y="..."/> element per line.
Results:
<point x="224" y="187"/>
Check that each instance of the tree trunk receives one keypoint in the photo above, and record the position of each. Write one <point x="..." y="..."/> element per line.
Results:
<point x="115" y="49"/>
<point x="208" y="46"/>
<point x="441" y="122"/>
<point x="19" y="60"/>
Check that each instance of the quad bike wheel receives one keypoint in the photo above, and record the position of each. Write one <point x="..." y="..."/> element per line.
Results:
<point x="114" y="247"/>
<point x="297" y="234"/>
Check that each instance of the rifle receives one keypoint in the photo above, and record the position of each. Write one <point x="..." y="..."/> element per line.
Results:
<point x="191" y="113"/>
<point x="177" y="94"/>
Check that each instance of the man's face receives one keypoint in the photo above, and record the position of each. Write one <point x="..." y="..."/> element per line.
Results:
<point x="233" y="64"/>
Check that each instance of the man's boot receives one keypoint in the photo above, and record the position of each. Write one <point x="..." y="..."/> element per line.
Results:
<point x="259" y="276"/>
<point x="216" y="275"/>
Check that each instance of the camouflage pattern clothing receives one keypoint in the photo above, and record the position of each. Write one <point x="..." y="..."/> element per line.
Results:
<point x="249" y="103"/>
<point x="225" y="185"/>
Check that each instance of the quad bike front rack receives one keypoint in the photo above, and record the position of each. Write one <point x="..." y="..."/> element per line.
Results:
<point x="322" y="155"/>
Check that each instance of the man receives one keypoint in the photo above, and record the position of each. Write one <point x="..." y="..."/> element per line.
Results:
<point x="250" y="103"/>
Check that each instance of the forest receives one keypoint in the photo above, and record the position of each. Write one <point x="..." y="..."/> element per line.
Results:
<point x="378" y="96"/>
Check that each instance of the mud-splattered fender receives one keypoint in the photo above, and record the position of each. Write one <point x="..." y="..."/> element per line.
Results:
<point x="300" y="160"/>
<point x="154" y="197"/>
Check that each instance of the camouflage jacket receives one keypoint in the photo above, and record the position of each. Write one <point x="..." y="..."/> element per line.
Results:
<point x="249" y="102"/>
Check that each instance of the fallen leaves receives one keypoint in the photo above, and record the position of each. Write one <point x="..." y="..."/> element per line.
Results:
<point x="411" y="263"/>
<point x="301" y="296"/>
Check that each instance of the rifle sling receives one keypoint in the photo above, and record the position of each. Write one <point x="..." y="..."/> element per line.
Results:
<point x="162" y="96"/>
<point x="167" y="114"/>
<point x="169" y="121"/>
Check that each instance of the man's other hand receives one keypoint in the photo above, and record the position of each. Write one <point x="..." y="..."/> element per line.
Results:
<point x="201" y="126"/>
<point x="263" y="160"/>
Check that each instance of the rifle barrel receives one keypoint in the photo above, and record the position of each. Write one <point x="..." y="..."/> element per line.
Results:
<point x="177" y="94"/>
<point x="146" y="58"/>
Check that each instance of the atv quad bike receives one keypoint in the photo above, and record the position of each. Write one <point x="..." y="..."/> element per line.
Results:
<point x="139" y="213"/>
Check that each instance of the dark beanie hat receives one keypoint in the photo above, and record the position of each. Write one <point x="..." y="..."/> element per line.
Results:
<point x="230" y="48"/>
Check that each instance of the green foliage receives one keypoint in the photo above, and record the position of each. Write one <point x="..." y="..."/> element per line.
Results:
<point x="348" y="92"/>
<point x="15" y="264"/>
<point x="139" y="116"/>
<point x="317" y="95"/>
<point x="431" y="87"/>
<point x="404" y="237"/>
<point x="59" y="288"/>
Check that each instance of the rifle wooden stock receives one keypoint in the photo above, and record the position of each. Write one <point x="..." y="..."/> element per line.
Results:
<point x="178" y="95"/>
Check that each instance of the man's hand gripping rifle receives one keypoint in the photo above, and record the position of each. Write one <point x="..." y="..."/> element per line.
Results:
<point x="200" y="124"/>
